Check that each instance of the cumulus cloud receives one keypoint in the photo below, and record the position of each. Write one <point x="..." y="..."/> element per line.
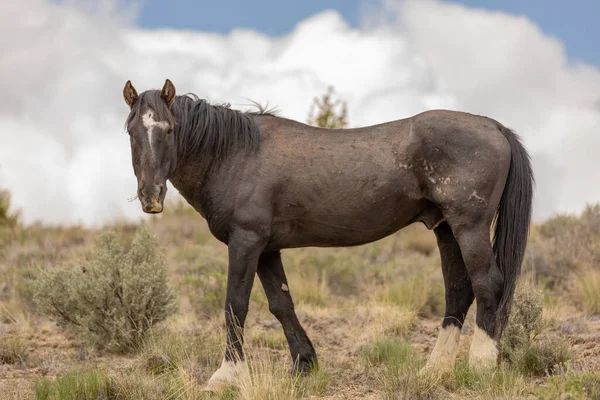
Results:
<point x="65" y="158"/>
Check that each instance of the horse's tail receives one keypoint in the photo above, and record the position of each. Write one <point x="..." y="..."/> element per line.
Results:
<point x="512" y="223"/>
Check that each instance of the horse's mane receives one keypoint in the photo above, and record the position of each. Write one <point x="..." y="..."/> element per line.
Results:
<point x="202" y="128"/>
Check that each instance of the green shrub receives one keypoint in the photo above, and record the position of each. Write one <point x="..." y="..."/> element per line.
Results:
<point x="525" y="345"/>
<point x="7" y="218"/>
<point x="115" y="296"/>
<point x="571" y="386"/>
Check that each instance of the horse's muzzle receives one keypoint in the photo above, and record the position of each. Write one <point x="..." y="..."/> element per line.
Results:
<point x="151" y="197"/>
<point x="153" y="207"/>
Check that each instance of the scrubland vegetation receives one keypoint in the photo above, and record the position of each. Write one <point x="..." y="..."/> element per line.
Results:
<point x="134" y="311"/>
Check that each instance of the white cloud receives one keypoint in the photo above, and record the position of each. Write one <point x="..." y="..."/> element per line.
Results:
<point x="65" y="158"/>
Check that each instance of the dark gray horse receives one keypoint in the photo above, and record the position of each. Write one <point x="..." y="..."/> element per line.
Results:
<point x="266" y="183"/>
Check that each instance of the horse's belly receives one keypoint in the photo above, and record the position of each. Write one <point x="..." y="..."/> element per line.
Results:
<point x="348" y="224"/>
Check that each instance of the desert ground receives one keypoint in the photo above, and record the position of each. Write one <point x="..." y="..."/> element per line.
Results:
<point x="372" y="313"/>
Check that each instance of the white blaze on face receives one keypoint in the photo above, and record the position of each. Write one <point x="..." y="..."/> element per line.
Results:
<point x="484" y="350"/>
<point x="150" y="124"/>
<point x="446" y="348"/>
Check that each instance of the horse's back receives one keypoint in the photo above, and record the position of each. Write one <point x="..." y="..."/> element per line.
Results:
<point x="355" y="186"/>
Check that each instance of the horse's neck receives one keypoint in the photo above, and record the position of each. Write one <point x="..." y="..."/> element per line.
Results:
<point x="190" y="176"/>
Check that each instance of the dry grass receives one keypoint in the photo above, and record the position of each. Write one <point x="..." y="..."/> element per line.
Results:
<point x="368" y="310"/>
<point x="587" y="290"/>
<point x="13" y="350"/>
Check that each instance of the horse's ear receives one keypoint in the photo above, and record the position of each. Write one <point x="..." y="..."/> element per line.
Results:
<point x="130" y="94"/>
<point x="168" y="92"/>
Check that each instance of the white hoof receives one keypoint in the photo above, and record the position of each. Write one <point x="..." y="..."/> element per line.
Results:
<point x="228" y="375"/>
<point x="483" y="353"/>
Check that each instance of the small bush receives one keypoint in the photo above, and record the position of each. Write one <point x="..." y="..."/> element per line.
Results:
<point x="115" y="296"/>
<point x="587" y="290"/>
<point x="525" y="321"/>
<point x="13" y="350"/>
<point x="544" y="356"/>
<point x="524" y="345"/>
<point x="7" y="218"/>
<point x="571" y="386"/>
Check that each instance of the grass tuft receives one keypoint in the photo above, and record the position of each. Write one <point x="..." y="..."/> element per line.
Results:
<point x="84" y="385"/>
<point x="502" y="383"/>
<point x="587" y="290"/>
<point x="13" y="350"/>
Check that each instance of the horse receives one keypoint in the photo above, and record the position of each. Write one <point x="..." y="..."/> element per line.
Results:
<point x="265" y="183"/>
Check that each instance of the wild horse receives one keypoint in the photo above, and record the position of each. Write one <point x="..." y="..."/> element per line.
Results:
<point x="265" y="183"/>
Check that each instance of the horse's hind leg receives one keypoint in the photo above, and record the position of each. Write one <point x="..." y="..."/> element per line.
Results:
<point x="488" y="283"/>
<point x="459" y="297"/>
<point x="272" y="276"/>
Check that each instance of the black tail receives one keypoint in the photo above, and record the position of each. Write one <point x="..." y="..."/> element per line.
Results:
<point x="512" y="223"/>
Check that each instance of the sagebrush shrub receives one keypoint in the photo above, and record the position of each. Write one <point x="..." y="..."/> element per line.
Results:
<point x="525" y="345"/>
<point x="8" y="218"/>
<point x="564" y="244"/>
<point x="114" y="295"/>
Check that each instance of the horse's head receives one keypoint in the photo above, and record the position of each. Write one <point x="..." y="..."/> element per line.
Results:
<point x="150" y="125"/>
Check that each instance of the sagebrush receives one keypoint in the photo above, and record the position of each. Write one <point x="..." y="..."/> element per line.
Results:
<point x="8" y="218"/>
<point x="525" y="344"/>
<point x="115" y="296"/>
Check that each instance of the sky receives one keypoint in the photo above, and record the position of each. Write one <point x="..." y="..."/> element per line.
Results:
<point x="574" y="22"/>
<point x="66" y="159"/>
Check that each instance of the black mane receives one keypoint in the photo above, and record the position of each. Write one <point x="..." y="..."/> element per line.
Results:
<point x="202" y="128"/>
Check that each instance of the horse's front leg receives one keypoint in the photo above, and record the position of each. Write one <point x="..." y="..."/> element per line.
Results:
<point x="245" y="248"/>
